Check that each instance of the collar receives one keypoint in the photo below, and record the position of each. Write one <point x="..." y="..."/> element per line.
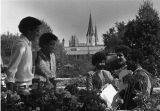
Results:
<point x="44" y="54"/>
<point x="138" y="68"/>
<point x="119" y="70"/>
<point x="26" y="39"/>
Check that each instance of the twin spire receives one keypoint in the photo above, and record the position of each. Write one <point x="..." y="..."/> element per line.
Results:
<point x="91" y="35"/>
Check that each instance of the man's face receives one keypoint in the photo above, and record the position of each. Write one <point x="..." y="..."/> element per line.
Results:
<point x="34" y="35"/>
<point x="121" y="58"/>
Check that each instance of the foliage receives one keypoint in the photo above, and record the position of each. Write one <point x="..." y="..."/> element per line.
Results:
<point x="7" y="41"/>
<point x="147" y="104"/>
<point x="79" y="67"/>
<point x="113" y="37"/>
<point x="44" y="98"/>
<point x="141" y="33"/>
<point x="61" y="58"/>
<point x="68" y="99"/>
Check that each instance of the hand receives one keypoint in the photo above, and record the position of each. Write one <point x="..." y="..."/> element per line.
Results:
<point x="103" y="87"/>
<point x="120" y="101"/>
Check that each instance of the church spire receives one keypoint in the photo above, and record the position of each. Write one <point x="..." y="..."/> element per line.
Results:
<point x="96" y="35"/>
<point x="90" y="32"/>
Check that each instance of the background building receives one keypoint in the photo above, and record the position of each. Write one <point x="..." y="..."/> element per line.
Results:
<point x="77" y="50"/>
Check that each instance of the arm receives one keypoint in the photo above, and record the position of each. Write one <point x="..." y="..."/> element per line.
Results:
<point x="108" y="77"/>
<point x="17" y="54"/>
<point x="89" y="85"/>
<point x="143" y="82"/>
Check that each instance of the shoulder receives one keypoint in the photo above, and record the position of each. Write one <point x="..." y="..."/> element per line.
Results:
<point x="141" y="74"/>
<point x="19" y="46"/>
<point x="91" y="73"/>
<point x="124" y="73"/>
<point x="106" y="72"/>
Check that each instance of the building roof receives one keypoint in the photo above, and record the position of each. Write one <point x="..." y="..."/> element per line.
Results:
<point x="83" y="50"/>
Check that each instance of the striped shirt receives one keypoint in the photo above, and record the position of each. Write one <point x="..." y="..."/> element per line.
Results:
<point x="44" y="66"/>
<point x="97" y="79"/>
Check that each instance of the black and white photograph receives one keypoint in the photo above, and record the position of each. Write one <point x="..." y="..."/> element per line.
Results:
<point x="80" y="55"/>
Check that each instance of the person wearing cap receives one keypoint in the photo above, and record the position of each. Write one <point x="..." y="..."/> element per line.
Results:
<point x="45" y="64"/>
<point x="19" y="70"/>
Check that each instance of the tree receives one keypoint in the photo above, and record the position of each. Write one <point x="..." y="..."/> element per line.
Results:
<point x="143" y="34"/>
<point x="113" y="38"/>
<point x="61" y="58"/>
<point x="45" y="28"/>
<point x="7" y="41"/>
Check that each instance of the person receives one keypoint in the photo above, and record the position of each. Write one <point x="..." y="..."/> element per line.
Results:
<point x="139" y="82"/>
<point x="45" y="65"/>
<point x="98" y="78"/>
<point x="121" y="72"/>
<point x="19" y="72"/>
<point x="122" y="55"/>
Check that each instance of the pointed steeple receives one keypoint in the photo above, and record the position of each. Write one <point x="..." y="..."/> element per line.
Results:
<point x="90" y="32"/>
<point x="96" y="35"/>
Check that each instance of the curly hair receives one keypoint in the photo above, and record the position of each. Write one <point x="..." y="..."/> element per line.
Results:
<point x="136" y="56"/>
<point x="123" y="49"/>
<point x="28" y="24"/>
<point x="98" y="57"/>
<point x="46" y="38"/>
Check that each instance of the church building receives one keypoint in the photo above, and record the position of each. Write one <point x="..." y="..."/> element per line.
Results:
<point x="77" y="50"/>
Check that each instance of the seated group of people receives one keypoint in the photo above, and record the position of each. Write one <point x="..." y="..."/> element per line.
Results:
<point x="128" y="78"/>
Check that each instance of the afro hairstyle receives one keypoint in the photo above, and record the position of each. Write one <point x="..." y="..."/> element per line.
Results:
<point x="46" y="38"/>
<point x="98" y="57"/>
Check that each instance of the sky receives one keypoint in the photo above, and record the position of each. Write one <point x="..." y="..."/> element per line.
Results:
<point x="70" y="17"/>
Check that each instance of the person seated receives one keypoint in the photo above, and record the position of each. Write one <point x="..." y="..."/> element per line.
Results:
<point x="98" y="78"/>
<point x="122" y="55"/>
<point x="45" y="64"/>
<point x="138" y="83"/>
